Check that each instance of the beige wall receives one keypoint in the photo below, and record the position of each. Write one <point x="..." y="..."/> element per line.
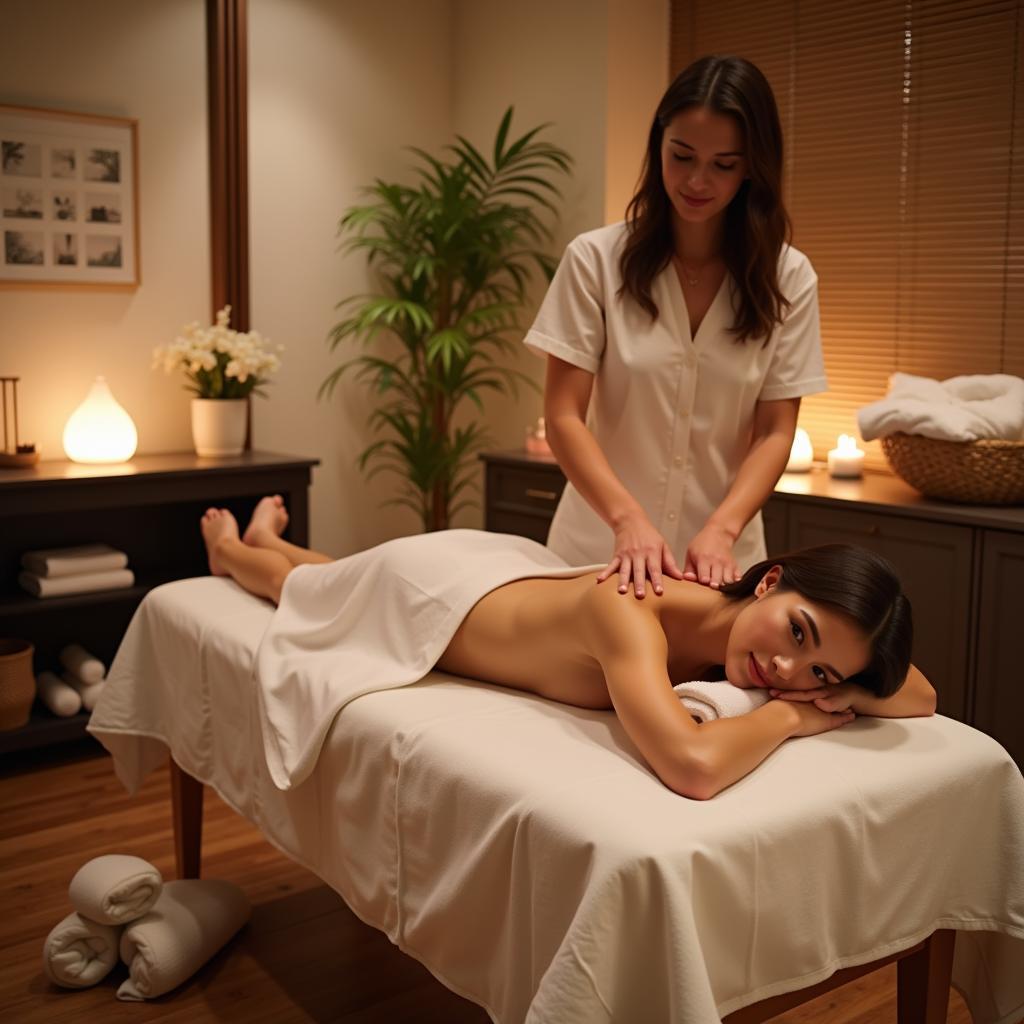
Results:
<point x="336" y="91"/>
<point x="127" y="59"/>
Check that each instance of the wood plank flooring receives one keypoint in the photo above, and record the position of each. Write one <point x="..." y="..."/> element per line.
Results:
<point x="304" y="957"/>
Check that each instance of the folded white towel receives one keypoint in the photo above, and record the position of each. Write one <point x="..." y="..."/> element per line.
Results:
<point x="190" y="922"/>
<point x="45" y="586"/>
<point x="707" y="701"/>
<point x="61" y="699"/>
<point x="73" y="561"/>
<point x="88" y="693"/>
<point x="79" y="662"/>
<point x="115" y="888"/>
<point x="79" y="952"/>
<point x="966" y="408"/>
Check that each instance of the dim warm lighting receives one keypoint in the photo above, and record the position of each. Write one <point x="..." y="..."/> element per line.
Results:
<point x="846" y="459"/>
<point x="99" y="430"/>
<point x="801" y="454"/>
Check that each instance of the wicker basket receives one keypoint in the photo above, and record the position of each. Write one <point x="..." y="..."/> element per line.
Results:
<point x="972" y="472"/>
<point x="17" y="684"/>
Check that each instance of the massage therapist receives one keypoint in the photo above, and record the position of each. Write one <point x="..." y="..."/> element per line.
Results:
<point x="679" y="344"/>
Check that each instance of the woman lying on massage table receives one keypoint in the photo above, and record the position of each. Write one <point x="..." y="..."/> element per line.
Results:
<point x="827" y="630"/>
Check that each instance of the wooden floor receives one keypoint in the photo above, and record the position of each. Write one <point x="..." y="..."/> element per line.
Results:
<point x="303" y="957"/>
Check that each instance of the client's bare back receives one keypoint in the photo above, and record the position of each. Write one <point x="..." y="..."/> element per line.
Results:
<point x="531" y="635"/>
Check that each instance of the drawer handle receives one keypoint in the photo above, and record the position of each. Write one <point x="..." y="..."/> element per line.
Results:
<point x="532" y="492"/>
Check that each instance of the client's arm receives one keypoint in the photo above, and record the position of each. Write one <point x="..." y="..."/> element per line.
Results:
<point x="914" y="699"/>
<point x="694" y="760"/>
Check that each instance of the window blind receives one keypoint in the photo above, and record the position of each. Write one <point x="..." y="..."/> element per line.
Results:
<point x="904" y="177"/>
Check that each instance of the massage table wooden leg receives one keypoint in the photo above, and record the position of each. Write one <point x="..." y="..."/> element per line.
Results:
<point x="922" y="977"/>
<point x="187" y="802"/>
<point x="923" y="980"/>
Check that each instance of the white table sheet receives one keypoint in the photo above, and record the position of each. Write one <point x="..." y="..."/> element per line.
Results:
<point x="525" y="854"/>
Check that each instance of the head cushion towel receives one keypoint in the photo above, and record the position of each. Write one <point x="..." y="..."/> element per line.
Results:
<point x="115" y="889"/>
<point x="79" y="952"/>
<point x="191" y="920"/>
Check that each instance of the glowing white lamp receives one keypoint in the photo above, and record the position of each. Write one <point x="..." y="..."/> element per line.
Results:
<point x="846" y="459"/>
<point x="801" y="455"/>
<point x="99" y="430"/>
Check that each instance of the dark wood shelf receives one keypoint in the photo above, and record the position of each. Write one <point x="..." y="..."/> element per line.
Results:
<point x="43" y="729"/>
<point x="149" y="508"/>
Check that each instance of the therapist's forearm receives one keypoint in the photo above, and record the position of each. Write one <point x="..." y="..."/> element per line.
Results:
<point x="755" y="481"/>
<point x="587" y="468"/>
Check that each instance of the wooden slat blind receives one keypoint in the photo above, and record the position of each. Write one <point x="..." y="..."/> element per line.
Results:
<point x="904" y="126"/>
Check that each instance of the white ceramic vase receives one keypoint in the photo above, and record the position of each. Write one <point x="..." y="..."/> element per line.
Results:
<point x="218" y="426"/>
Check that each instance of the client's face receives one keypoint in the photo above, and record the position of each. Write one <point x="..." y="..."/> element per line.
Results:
<point x="781" y="640"/>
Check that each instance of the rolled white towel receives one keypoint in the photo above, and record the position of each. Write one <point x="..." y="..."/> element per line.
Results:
<point x="192" y="919"/>
<point x="79" y="952"/>
<point x="707" y="701"/>
<point x="88" y="692"/>
<point x="79" y="662"/>
<point x="61" y="699"/>
<point x="115" y="888"/>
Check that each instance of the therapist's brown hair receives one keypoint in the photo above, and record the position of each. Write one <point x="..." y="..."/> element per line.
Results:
<point x="756" y="222"/>
<point x="858" y="584"/>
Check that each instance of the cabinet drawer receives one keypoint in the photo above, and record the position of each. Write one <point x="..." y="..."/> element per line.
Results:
<point x="934" y="563"/>
<point x="526" y="487"/>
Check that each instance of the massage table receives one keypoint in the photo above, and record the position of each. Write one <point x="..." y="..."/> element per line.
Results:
<point x="523" y="851"/>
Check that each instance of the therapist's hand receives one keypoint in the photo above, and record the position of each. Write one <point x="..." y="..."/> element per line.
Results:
<point x="709" y="558"/>
<point x="640" y="552"/>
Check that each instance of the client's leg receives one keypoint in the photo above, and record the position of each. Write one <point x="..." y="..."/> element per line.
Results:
<point x="260" y="571"/>
<point x="269" y="519"/>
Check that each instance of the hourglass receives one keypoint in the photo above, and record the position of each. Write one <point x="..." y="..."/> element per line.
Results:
<point x="14" y="454"/>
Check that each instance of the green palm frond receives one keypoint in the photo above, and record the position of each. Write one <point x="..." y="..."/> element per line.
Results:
<point x="453" y="255"/>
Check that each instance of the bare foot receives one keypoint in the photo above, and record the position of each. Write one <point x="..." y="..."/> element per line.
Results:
<point x="270" y="517"/>
<point x="217" y="524"/>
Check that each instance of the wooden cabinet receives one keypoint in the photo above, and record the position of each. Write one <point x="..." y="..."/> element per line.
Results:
<point x="999" y="680"/>
<point x="521" y="493"/>
<point x="962" y="567"/>
<point x="149" y="508"/>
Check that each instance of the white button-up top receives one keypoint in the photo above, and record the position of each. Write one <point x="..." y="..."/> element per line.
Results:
<point x="673" y="414"/>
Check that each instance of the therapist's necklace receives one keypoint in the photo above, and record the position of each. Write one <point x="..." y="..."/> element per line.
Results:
<point x="692" y="279"/>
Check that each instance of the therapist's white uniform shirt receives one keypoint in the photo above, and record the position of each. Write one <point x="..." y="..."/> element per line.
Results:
<point x="673" y="414"/>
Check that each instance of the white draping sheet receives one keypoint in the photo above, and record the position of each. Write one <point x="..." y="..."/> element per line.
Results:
<point x="377" y="619"/>
<point x="521" y="850"/>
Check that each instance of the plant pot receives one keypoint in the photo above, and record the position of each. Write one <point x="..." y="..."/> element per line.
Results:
<point x="218" y="425"/>
<point x="17" y="684"/>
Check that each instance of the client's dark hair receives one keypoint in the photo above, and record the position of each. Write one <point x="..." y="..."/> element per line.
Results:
<point x="856" y="583"/>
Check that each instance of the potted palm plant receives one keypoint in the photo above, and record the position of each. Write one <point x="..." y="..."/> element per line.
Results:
<point x="453" y="254"/>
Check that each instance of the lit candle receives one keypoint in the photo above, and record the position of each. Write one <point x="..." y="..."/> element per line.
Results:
<point x="801" y="454"/>
<point x="846" y="459"/>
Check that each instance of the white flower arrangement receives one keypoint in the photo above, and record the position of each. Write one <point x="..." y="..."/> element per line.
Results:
<point x="220" y="362"/>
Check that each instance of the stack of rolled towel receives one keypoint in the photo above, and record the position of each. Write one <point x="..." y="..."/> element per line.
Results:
<point x="164" y="932"/>
<point x="78" y="570"/>
<point x="78" y="686"/>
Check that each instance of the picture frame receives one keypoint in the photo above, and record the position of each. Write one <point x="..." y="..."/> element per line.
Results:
<point x="69" y="206"/>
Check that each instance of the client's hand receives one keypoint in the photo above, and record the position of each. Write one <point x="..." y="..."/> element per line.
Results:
<point x="810" y="720"/>
<point x="836" y="697"/>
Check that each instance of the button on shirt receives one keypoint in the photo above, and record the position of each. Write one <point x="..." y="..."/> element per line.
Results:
<point x="673" y="414"/>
